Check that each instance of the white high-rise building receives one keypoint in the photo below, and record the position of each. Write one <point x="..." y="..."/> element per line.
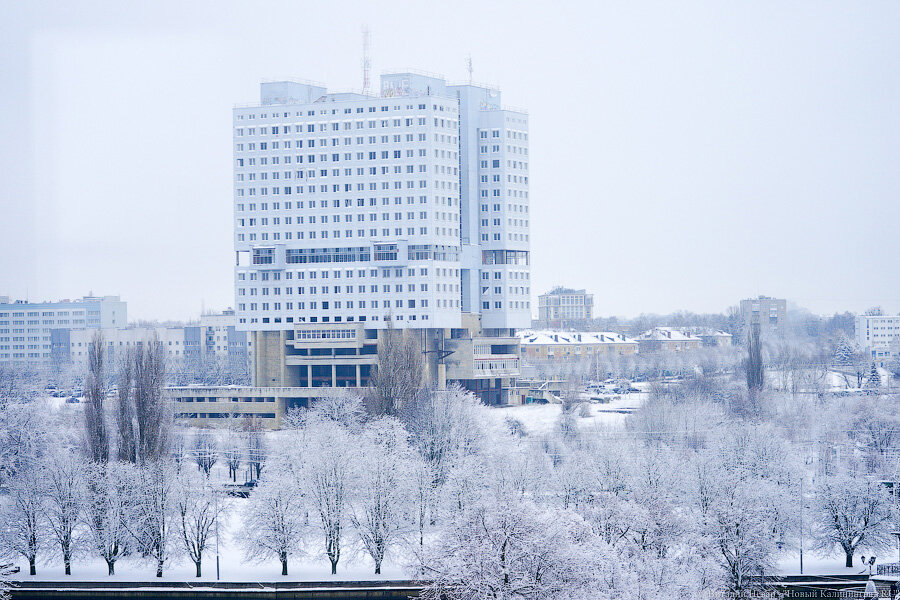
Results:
<point x="352" y="211"/>
<point x="351" y="208"/>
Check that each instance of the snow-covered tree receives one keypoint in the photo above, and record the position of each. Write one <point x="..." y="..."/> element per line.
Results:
<point x="342" y="406"/>
<point x="274" y="520"/>
<point x="96" y="432"/>
<point x="874" y="379"/>
<point x="854" y="513"/>
<point x="23" y="518"/>
<point x="742" y="491"/>
<point x="153" y="414"/>
<point x="443" y="426"/>
<point x="512" y="549"/>
<point x="23" y="437"/>
<point x="197" y="510"/>
<point x="383" y="473"/>
<point x="153" y="519"/>
<point x="107" y="503"/>
<point x="206" y="451"/>
<point x="330" y="454"/>
<point x="400" y="372"/>
<point x="64" y="491"/>
<point x="256" y="446"/>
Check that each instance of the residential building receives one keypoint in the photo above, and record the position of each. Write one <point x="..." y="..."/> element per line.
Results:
<point x="667" y="339"/>
<point x="879" y="336"/>
<point x="565" y="308"/>
<point x="558" y="345"/>
<point x="714" y="337"/>
<point x="354" y="213"/>
<point x="27" y="328"/>
<point x="214" y="336"/>
<point x="770" y="313"/>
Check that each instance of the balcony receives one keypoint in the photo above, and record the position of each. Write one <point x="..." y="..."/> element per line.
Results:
<point x="500" y="365"/>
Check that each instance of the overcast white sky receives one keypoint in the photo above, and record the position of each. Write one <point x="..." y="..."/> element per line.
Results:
<point x="683" y="154"/>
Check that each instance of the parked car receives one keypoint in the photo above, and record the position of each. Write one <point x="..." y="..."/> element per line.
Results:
<point x="71" y="400"/>
<point x="239" y="490"/>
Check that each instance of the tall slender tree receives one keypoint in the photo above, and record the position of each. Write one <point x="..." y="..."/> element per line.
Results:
<point x="96" y="434"/>
<point x="755" y="373"/>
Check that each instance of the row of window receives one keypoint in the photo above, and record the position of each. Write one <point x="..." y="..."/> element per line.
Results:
<point x="294" y="128"/>
<point x="438" y="251"/>
<point x="61" y="313"/>
<point x="438" y="138"/>
<point x="347" y="233"/>
<point x="347" y="187"/>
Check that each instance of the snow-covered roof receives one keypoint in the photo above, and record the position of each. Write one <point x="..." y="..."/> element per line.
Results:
<point x="667" y="334"/>
<point x="549" y="338"/>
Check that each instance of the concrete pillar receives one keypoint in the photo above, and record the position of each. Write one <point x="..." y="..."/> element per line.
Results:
<point x="358" y="379"/>
<point x="333" y="375"/>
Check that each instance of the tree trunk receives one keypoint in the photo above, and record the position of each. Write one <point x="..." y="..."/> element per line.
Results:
<point x="111" y="567"/>
<point x="334" y="567"/>
<point x="68" y="562"/>
<point x="849" y="561"/>
<point x="159" y="567"/>
<point x="198" y="567"/>
<point x="378" y="568"/>
<point x="31" y="568"/>
<point x="284" y="565"/>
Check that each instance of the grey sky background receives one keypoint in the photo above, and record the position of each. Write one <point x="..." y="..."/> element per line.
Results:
<point x="683" y="154"/>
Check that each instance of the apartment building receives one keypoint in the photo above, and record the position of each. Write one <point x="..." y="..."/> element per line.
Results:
<point x="667" y="339"/>
<point x="879" y="336"/>
<point x="557" y="345"/>
<point x="215" y="335"/>
<point x="770" y="313"/>
<point x="27" y="329"/>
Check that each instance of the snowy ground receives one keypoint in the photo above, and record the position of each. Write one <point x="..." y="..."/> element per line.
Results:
<point x="539" y="419"/>
<point x="813" y="564"/>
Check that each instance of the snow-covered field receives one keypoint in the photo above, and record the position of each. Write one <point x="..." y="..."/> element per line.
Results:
<point x="540" y="419"/>
<point x="813" y="564"/>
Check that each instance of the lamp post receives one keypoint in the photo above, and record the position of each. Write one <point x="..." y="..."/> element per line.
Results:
<point x="216" y="492"/>
<point x="801" y="524"/>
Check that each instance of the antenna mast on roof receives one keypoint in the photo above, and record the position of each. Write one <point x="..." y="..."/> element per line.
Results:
<point x="469" y="67"/>
<point x="366" y="61"/>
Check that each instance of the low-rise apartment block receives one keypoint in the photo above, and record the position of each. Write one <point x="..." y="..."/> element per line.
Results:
<point x="556" y="345"/>
<point x="667" y="339"/>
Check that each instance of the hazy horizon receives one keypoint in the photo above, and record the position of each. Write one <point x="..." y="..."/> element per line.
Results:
<point x="682" y="157"/>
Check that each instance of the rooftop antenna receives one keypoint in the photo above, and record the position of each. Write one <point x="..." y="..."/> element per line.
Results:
<point x="366" y="61"/>
<point x="469" y="67"/>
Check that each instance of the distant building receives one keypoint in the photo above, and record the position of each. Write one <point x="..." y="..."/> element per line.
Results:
<point x="565" y="308"/>
<point x="879" y="336"/>
<point x="27" y="328"/>
<point x="215" y="335"/>
<point x="556" y="345"/>
<point x="714" y="338"/>
<point x="667" y="339"/>
<point x="770" y="313"/>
